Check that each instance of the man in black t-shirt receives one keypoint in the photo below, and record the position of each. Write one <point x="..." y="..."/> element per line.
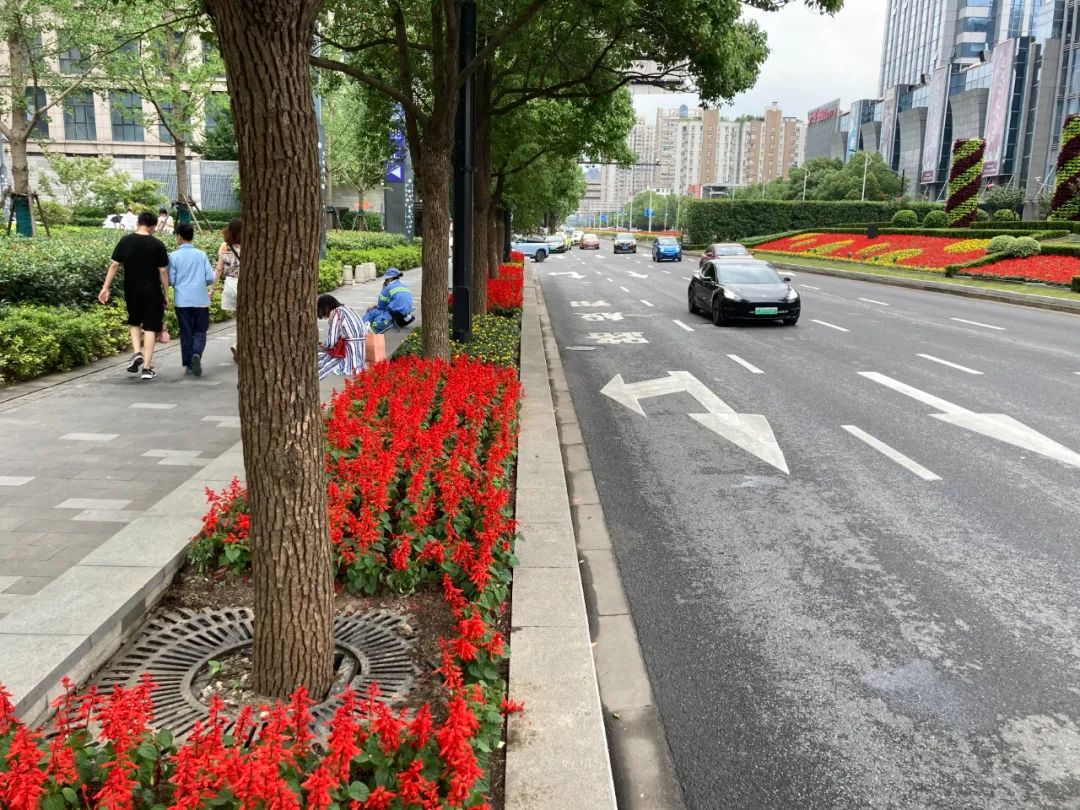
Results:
<point x="146" y="283"/>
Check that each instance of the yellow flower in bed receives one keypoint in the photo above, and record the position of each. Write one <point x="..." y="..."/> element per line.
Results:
<point x="870" y="250"/>
<point x="894" y="256"/>
<point x="806" y="237"/>
<point x="967" y="245"/>
<point x="830" y="247"/>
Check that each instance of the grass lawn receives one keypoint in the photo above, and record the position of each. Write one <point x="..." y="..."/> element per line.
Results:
<point x="1044" y="290"/>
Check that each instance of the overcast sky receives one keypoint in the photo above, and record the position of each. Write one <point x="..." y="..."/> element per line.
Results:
<point x="813" y="59"/>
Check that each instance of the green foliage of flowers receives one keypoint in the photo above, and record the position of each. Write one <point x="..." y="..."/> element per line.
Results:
<point x="495" y="340"/>
<point x="905" y="219"/>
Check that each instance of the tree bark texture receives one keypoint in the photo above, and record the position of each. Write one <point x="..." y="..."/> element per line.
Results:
<point x="180" y="153"/>
<point x="434" y="171"/>
<point x="266" y="44"/>
<point x="19" y="127"/>
<point x="498" y="233"/>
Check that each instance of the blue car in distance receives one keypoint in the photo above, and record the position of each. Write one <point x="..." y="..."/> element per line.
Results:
<point x="666" y="249"/>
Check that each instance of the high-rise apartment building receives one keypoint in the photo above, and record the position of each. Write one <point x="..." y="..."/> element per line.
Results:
<point x="675" y="129"/>
<point x="771" y="146"/>
<point x="617" y="183"/>
<point x="721" y="150"/>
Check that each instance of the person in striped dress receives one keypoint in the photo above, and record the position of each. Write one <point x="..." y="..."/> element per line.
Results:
<point x="343" y="353"/>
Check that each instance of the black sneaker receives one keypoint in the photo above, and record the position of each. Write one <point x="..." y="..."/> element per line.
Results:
<point x="196" y="365"/>
<point x="148" y="373"/>
<point x="136" y="362"/>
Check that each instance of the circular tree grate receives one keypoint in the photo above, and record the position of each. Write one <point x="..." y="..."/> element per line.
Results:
<point x="175" y="647"/>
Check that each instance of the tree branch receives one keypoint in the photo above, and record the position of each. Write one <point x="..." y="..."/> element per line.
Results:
<point x="498" y="38"/>
<point x="371" y="81"/>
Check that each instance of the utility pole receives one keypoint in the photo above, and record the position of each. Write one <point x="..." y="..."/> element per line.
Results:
<point x="650" y="210"/>
<point x="464" y="141"/>
<point x="805" y="174"/>
<point x="865" y="167"/>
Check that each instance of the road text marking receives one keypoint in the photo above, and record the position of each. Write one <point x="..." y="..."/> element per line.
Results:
<point x="830" y="325"/>
<point x="684" y="326"/>
<point x="892" y="453"/>
<point x="646" y="303"/>
<point x="615" y="338"/>
<point x="872" y="301"/>
<point x="957" y="366"/>
<point x="976" y="323"/>
<point x="748" y="366"/>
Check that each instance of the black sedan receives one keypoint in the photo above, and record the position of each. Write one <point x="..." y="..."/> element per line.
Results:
<point x="731" y="290"/>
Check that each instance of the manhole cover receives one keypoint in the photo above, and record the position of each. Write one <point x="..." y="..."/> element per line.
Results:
<point x="176" y="646"/>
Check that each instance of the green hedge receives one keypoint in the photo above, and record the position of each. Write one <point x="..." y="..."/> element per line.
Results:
<point x="1061" y="249"/>
<point x="330" y="275"/>
<point x="732" y="220"/>
<point x="1075" y="285"/>
<point x="1032" y="225"/>
<point x="364" y="240"/>
<point x="36" y="340"/>
<point x="962" y="233"/>
<point x="403" y="257"/>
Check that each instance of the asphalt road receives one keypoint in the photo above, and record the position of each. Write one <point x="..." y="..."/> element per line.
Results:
<point x="893" y="623"/>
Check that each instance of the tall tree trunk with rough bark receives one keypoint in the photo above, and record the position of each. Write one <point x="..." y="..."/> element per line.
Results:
<point x="18" y="129"/>
<point x="266" y="45"/>
<point x="180" y="154"/>
<point x="433" y="172"/>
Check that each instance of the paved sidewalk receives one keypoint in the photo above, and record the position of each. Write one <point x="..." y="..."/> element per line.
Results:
<point x="83" y="454"/>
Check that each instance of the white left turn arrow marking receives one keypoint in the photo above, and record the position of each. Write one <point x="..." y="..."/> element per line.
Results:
<point x="995" y="425"/>
<point x="751" y="432"/>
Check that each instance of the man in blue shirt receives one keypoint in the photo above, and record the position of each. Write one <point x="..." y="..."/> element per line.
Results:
<point x="190" y="274"/>
<point x="394" y="307"/>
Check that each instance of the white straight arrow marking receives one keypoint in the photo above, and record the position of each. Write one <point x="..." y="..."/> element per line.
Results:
<point x="750" y="431"/>
<point x="995" y="425"/>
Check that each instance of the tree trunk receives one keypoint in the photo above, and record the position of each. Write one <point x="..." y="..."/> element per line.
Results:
<point x="180" y="151"/>
<point x="19" y="133"/>
<point x="266" y="45"/>
<point x="433" y="172"/>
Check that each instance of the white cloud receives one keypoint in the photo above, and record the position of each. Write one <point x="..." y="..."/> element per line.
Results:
<point x="813" y="59"/>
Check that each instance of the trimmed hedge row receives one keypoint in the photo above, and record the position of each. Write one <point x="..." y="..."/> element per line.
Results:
<point x="403" y="257"/>
<point x="36" y="340"/>
<point x="361" y="240"/>
<point x="732" y="220"/>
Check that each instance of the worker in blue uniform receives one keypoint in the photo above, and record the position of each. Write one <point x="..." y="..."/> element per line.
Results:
<point x="394" y="307"/>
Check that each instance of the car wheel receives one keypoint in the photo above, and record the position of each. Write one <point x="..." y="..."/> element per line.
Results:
<point x="791" y="321"/>
<point x="541" y="255"/>
<point x="679" y="259"/>
<point x="718" y="311"/>
<point x="690" y="305"/>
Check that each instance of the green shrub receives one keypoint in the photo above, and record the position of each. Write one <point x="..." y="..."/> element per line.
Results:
<point x="330" y="274"/>
<point x="936" y="219"/>
<point x="905" y="219"/>
<point x="734" y="220"/>
<point x="364" y="240"/>
<point x="1075" y="285"/>
<point x="1005" y="215"/>
<point x="981" y="215"/>
<point x="1023" y="246"/>
<point x="495" y="339"/>
<point x="1001" y="244"/>
<point x="36" y="340"/>
<point x="403" y="257"/>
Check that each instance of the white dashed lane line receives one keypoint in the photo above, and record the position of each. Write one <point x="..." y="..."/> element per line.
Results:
<point x="624" y="289"/>
<point x="682" y="325"/>
<point x="646" y="303"/>
<point x="892" y="453"/>
<point x="872" y="301"/>
<point x="976" y="323"/>
<point x="957" y="366"/>
<point x="748" y="366"/>
<point x="807" y="286"/>
<point x="830" y="325"/>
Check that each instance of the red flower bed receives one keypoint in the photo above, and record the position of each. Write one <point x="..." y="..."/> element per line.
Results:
<point x="419" y="459"/>
<point x="1051" y="269"/>
<point x="927" y="252"/>
<point x="504" y="292"/>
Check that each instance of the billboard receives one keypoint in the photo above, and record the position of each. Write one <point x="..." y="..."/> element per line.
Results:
<point x="935" y="125"/>
<point x="395" y="167"/>
<point x="997" y="106"/>
<point x="888" y="125"/>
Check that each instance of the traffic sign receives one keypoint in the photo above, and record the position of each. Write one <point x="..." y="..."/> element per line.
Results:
<point x="647" y="212"/>
<point x="603" y="217"/>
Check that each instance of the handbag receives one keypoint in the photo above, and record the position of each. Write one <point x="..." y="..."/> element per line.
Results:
<point x="374" y="347"/>
<point x="228" y="293"/>
<point x="163" y="336"/>
<point x="339" y="349"/>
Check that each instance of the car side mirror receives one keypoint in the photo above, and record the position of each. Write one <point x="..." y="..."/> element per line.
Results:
<point x="787" y="280"/>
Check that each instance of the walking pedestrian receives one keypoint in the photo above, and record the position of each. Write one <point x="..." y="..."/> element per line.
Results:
<point x="343" y="354"/>
<point x="190" y="275"/>
<point x="146" y="283"/>
<point x="164" y="223"/>
<point x="228" y="267"/>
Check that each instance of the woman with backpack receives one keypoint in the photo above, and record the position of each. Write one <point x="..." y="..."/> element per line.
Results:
<point x="228" y="267"/>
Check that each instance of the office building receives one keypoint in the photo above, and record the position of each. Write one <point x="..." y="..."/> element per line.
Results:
<point x="771" y="146"/>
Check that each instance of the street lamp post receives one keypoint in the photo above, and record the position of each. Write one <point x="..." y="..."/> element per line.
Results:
<point x="650" y="210"/>
<point x="865" y="167"/>
<point x="805" y="174"/>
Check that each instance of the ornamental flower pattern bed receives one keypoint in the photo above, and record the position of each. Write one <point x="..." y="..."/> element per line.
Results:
<point x="1048" y="269"/>
<point x="919" y="252"/>
<point x="420" y="460"/>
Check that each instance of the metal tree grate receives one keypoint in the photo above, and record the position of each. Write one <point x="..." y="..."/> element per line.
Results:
<point x="174" y="646"/>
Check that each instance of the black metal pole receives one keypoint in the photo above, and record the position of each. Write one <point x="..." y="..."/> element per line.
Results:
<point x="464" y="142"/>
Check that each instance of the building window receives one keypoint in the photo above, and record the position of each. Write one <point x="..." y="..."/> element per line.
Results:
<point x="125" y="110"/>
<point x="72" y="59"/>
<point x="79" y="123"/>
<point x="36" y="101"/>
<point x="163" y="131"/>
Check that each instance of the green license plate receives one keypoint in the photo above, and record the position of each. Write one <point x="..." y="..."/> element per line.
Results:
<point x="766" y="311"/>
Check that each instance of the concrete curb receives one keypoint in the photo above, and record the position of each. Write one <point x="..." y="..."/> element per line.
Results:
<point x="75" y="623"/>
<point x="645" y="777"/>
<point x="1000" y="296"/>
<point x="557" y="753"/>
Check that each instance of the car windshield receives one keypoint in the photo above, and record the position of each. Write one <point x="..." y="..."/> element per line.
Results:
<point x="748" y="274"/>
<point x="667" y="241"/>
<point x="731" y="250"/>
<point x="589" y="236"/>
<point x="624" y="237"/>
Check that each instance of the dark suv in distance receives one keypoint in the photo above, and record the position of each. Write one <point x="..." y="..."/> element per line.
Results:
<point x="625" y="243"/>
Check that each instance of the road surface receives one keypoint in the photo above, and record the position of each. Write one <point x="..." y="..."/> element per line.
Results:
<point x="850" y="546"/>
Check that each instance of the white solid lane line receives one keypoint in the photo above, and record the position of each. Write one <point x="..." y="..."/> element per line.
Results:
<point x="830" y="325"/>
<point x="667" y="272"/>
<point x="976" y="323"/>
<point x="687" y="278"/>
<point x="807" y="286"/>
<point x="889" y="452"/>
<point x="598" y="272"/>
<point x="624" y="289"/>
<point x="611" y="280"/>
<point x="646" y="303"/>
<point x="957" y="366"/>
<point x="684" y="326"/>
<point x="748" y="366"/>
<point x="872" y="301"/>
